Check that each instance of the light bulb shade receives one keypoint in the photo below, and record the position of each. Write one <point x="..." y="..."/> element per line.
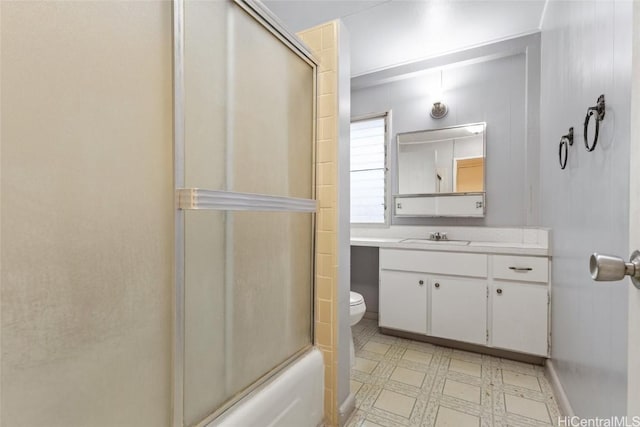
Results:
<point x="439" y="110"/>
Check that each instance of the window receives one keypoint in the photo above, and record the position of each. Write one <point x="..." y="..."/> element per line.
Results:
<point x="368" y="170"/>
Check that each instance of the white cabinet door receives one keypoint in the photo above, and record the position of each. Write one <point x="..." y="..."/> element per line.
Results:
<point x="519" y="317"/>
<point x="459" y="309"/>
<point x="403" y="301"/>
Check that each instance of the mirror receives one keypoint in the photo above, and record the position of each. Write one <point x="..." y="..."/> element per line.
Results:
<point x="445" y="163"/>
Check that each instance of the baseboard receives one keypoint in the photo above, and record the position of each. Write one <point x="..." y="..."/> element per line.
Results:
<point x="371" y="315"/>
<point x="476" y="348"/>
<point x="563" y="401"/>
<point x="347" y="408"/>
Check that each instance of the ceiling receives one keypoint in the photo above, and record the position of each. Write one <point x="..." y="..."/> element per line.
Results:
<point x="384" y="33"/>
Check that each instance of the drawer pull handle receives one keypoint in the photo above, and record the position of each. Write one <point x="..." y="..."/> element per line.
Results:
<point x="520" y="268"/>
<point x="499" y="291"/>
<point x="437" y="285"/>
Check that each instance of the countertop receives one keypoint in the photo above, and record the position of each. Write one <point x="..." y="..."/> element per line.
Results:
<point x="508" y="248"/>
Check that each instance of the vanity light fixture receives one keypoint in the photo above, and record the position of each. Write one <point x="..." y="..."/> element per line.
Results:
<point x="439" y="109"/>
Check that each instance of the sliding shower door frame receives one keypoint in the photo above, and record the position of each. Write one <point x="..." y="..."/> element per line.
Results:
<point x="219" y="200"/>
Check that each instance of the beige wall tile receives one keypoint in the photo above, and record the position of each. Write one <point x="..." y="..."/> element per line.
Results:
<point x="326" y="195"/>
<point x="325" y="268"/>
<point x="327" y="106"/>
<point x="326" y="82"/>
<point x="327" y="60"/>
<point x="312" y="38"/>
<point x="329" y="36"/>
<point x="327" y="173"/>
<point x="325" y="242"/>
<point x="322" y="41"/>
<point x="324" y="311"/>
<point x="328" y="402"/>
<point x="323" y="333"/>
<point x="328" y="375"/>
<point x="326" y="151"/>
<point x="327" y="219"/>
<point x="327" y="131"/>
<point x="323" y="287"/>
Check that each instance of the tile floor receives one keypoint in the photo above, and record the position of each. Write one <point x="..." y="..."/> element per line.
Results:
<point x="400" y="382"/>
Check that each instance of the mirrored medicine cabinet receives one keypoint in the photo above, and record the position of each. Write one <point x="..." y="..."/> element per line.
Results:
<point x="441" y="172"/>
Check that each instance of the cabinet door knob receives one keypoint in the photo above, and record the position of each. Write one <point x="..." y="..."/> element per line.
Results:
<point x="437" y="285"/>
<point x="421" y="282"/>
<point x="499" y="291"/>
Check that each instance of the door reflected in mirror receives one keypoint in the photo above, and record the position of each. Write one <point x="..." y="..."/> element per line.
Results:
<point x="442" y="161"/>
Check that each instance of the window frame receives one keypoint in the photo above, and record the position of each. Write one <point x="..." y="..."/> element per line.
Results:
<point x="387" y="194"/>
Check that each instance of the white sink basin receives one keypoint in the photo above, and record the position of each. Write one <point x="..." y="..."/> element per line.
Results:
<point x="437" y="242"/>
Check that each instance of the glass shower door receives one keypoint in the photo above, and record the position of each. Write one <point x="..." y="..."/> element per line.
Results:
<point x="245" y="224"/>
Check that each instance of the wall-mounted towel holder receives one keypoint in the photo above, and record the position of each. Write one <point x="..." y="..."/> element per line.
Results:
<point x="563" y="151"/>
<point x="598" y="111"/>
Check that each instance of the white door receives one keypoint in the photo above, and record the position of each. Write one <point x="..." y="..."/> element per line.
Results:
<point x="633" y="395"/>
<point x="617" y="269"/>
<point x="459" y="309"/>
<point x="403" y="301"/>
<point x="520" y="317"/>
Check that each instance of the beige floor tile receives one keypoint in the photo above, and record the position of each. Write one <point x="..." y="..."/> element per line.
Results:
<point x="376" y="347"/>
<point x="452" y="418"/>
<point x="355" y="386"/>
<point x="408" y="376"/>
<point x="365" y="365"/>
<point x="395" y="403"/>
<point x="407" y="362"/>
<point x="466" y="356"/>
<point x="520" y="380"/>
<point x="527" y="408"/>
<point x="468" y="392"/>
<point x="417" y="356"/>
<point x="468" y="368"/>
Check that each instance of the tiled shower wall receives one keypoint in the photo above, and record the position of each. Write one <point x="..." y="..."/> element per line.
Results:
<point x="322" y="40"/>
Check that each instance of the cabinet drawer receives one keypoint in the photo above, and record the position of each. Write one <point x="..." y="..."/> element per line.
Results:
<point x="473" y="265"/>
<point x="528" y="269"/>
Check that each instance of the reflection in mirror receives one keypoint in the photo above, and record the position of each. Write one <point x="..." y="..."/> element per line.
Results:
<point x="449" y="160"/>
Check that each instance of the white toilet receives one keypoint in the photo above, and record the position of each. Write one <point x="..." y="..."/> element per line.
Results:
<point x="356" y="309"/>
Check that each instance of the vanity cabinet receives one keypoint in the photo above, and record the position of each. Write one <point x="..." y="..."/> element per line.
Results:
<point x="499" y="301"/>
<point x="520" y="303"/>
<point x="519" y="317"/>
<point x="403" y="301"/>
<point x="459" y="309"/>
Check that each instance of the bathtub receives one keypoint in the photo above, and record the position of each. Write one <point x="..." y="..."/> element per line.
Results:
<point x="293" y="398"/>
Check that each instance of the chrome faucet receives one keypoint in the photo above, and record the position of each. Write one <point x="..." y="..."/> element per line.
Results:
<point x="438" y="236"/>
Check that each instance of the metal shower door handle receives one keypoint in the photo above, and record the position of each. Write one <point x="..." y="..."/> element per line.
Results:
<point x="609" y="268"/>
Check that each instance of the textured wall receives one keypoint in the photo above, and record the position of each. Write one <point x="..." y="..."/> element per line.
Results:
<point x="586" y="51"/>
<point x="87" y="213"/>
<point x="492" y="92"/>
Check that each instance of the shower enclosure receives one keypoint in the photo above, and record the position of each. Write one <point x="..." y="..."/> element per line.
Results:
<point x="244" y="120"/>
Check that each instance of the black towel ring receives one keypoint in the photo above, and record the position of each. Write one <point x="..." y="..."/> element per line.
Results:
<point x="565" y="142"/>
<point x="598" y="111"/>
